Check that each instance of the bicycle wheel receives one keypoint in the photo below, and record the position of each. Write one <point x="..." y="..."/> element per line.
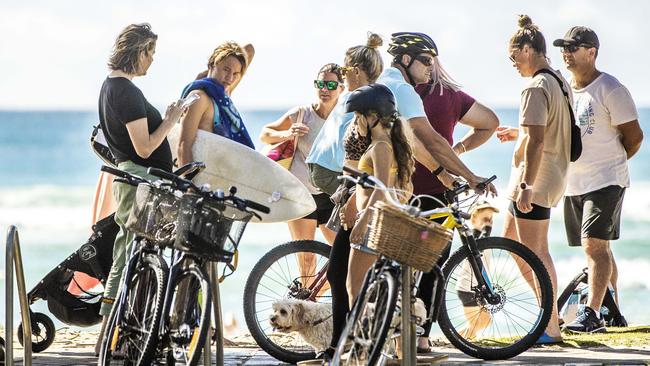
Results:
<point x="369" y="321"/>
<point x="189" y="316"/>
<point x="132" y="330"/>
<point x="277" y="276"/>
<point x="503" y="329"/>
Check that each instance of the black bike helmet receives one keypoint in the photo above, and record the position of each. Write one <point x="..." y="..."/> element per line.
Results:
<point x="376" y="97"/>
<point x="411" y="43"/>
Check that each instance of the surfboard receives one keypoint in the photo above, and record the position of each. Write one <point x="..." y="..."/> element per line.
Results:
<point x="256" y="177"/>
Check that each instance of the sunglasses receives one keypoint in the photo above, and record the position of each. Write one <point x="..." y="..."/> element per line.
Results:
<point x="573" y="48"/>
<point x="513" y="55"/>
<point x="331" y="85"/>
<point x="426" y="61"/>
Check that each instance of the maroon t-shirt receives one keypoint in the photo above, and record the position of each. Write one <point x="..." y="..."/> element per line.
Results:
<point x="443" y="112"/>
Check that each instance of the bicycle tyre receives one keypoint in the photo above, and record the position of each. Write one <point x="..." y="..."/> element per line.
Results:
<point x="151" y="273"/>
<point x="189" y="312"/>
<point x="495" y="349"/>
<point x="378" y="289"/>
<point x="291" y="348"/>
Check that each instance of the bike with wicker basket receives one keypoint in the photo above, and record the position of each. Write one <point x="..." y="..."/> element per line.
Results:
<point x="493" y="300"/>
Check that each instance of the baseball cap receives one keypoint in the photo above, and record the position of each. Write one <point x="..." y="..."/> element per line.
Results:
<point x="481" y="204"/>
<point x="578" y="36"/>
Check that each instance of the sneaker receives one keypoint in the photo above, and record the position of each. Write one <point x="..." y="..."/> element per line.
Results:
<point x="587" y="322"/>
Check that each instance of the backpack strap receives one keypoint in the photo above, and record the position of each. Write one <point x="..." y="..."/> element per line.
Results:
<point x="564" y="91"/>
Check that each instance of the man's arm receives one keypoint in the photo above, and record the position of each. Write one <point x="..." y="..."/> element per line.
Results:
<point x="483" y="122"/>
<point x="631" y="137"/>
<point x="440" y="150"/>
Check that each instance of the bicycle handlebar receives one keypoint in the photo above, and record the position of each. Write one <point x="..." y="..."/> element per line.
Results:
<point x="185" y="185"/>
<point x="128" y="178"/>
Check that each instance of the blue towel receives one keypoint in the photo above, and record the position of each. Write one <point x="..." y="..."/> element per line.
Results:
<point x="227" y="121"/>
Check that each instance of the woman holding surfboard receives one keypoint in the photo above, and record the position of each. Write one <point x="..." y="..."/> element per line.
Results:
<point x="135" y="131"/>
<point x="302" y="124"/>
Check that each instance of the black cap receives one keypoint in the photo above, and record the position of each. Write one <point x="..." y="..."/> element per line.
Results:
<point x="578" y="36"/>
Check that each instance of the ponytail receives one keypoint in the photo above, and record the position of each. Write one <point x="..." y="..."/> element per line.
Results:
<point x="401" y="150"/>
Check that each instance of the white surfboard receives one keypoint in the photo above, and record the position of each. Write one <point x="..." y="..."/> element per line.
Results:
<point x="256" y="177"/>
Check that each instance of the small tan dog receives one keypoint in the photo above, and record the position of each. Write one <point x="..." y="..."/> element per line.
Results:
<point x="312" y="320"/>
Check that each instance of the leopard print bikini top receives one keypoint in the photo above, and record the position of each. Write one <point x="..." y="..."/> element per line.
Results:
<point x="354" y="144"/>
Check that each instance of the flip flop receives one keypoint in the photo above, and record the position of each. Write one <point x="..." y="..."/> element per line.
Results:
<point x="546" y="339"/>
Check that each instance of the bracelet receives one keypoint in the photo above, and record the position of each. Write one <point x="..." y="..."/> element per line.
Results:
<point x="438" y="170"/>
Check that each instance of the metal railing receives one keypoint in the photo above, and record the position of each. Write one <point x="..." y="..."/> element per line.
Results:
<point x="13" y="260"/>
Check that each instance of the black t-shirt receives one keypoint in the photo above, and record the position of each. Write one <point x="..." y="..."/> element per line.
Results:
<point x="121" y="102"/>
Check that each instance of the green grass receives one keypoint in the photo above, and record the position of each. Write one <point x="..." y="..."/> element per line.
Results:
<point x="614" y="337"/>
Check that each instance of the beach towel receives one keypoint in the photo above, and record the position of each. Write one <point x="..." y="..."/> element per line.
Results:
<point x="227" y="121"/>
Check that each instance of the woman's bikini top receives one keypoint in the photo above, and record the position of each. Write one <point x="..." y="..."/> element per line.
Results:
<point x="365" y="165"/>
<point x="354" y="144"/>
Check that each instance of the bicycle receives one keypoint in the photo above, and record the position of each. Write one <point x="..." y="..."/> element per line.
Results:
<point x="207" y="228"/>
<point x="276" y="276"/>
<point x="484" y="301"/>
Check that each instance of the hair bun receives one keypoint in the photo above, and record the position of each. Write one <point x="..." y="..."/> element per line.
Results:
<point x="374" y="40"/>
<point x="524" y="21"/>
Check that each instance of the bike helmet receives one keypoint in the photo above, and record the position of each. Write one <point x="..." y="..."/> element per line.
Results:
<point x="376" y="97"/>
<point x="411" y="43"/>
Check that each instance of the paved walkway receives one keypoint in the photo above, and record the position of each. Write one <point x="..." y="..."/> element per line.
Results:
<point x="77" y="349"/>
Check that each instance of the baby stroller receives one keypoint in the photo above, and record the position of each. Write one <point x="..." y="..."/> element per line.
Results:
<point x="94" y="258"/>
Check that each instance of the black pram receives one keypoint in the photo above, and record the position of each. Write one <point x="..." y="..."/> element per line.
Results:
<point x="93" y="258"/>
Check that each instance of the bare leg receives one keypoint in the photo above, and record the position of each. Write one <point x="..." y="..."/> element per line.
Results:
<point x="304" y="229"/>
<point x="534" y="235"/>
<point x="599" y="262"/>
<point x="613" y="279"/>
<point x="357" y="267"/>
<point x="327" y="233"/>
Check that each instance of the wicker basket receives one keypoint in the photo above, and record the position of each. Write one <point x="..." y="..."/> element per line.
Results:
<point x="409" y="240"/>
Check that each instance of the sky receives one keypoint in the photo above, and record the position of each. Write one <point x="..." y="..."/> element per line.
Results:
<point x="53" y="53"/>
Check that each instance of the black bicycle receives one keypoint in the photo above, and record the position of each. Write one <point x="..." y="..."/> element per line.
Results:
<point x="198" y="226"/>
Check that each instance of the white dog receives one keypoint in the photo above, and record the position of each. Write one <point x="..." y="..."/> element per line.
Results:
<point x="312" y="320"/>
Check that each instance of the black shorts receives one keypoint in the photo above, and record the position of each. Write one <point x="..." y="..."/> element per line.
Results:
<point x="537" y="213"/>
<point x="595" y="214"/>
<point x="324" y="207"/>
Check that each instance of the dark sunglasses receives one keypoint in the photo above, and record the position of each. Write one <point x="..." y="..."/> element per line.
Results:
<point x="572" y="48"/>
<point x="331" y="85"/>
<point x="426" y="61"/>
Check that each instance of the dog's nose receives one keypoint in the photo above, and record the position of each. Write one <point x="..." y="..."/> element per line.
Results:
<point x="273" y="318"/>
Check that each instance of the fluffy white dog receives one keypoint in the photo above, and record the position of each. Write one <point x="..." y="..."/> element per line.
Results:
<point x="312" y="320"/>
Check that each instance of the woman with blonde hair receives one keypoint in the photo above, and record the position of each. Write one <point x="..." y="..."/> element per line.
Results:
<point x="136" y="134"/>
<point x="362" y="65"/>
<point x="446" y="105"/>
<point x="541" y="157"/>
<point x="214" y="111"/>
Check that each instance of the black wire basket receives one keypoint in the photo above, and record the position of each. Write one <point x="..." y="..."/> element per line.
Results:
<point x="209" y="228"/>
<point x="153" y="215"/>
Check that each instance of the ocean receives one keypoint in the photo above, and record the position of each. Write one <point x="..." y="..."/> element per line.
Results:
<point x="48" y="173"/>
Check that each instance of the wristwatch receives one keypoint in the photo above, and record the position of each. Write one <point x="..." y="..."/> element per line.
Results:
<point x="524" y="186"/>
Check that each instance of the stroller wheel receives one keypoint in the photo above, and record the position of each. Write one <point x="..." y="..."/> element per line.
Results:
<point x="42" y="332"/>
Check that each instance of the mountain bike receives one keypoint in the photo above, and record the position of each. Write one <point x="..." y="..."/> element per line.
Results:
<point x="492" y="301"/>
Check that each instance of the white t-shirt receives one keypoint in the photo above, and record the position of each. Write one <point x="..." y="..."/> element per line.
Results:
<point x="305" y="143"/>
<point x="599" y="108"/>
